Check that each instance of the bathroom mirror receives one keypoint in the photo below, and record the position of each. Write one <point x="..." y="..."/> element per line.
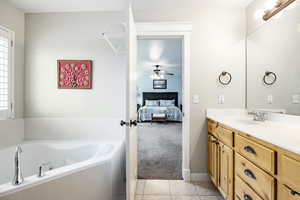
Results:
<point x="273" y="58"/>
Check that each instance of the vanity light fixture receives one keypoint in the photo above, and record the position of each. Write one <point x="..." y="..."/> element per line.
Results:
<point x="275" y="7"/>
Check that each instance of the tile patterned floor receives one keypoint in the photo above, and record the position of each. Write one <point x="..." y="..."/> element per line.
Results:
<point x="176" y="190"/>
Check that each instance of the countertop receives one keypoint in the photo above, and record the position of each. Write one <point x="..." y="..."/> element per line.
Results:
<point x="280" y="130"/>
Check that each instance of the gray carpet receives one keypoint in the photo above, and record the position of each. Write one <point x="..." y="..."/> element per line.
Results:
<point x="160" y="151"/>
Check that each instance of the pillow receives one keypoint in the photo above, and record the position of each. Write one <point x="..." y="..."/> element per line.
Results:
<point x="152" y="103"/>
<point x="166" y="103"/>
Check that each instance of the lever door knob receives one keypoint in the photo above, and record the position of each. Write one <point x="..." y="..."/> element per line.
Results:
<point x="123" y="123"/>
<point x="133" y="123"/>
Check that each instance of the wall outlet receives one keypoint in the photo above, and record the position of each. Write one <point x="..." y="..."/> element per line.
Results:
<point x="270" y="99"/>
<point x="196" y="99"/>
<point x="221" y="99"/>
<point x="295" y="98"/>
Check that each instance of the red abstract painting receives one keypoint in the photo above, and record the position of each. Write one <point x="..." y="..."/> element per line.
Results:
<point x="74" y="74"/>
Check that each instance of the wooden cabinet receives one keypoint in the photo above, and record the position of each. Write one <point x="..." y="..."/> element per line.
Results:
<point x="244" y="167"/>
<point x="285" y="193"/>
<point x="256" y="153"/>
<point x="225" y="135"/>
<point x="244" y="192"/>
<point x="213" y="159"/>
<point x="289" y="169"/>
<point x="256" y="178"/>
<point x="220" y="163"/>
<point x="226" y="171"/>
<point x="211" y="126"/>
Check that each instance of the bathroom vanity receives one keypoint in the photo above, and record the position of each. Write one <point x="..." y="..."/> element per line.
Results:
<point x="249" y="160"/>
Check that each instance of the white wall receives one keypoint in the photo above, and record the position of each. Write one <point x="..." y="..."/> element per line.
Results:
<point x="217" y="44"/>
<point x="273" y="46"/>
<point x="53" y="36"/>
<point x="11" y="131"/>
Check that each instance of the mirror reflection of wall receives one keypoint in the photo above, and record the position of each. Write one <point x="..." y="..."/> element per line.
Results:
<point x="273" y="46"/>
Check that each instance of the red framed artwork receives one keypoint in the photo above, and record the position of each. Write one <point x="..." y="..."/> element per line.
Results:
<point x="74" y="74"/>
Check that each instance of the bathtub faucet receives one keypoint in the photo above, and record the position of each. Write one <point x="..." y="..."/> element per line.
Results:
<point x="18" y="178"/>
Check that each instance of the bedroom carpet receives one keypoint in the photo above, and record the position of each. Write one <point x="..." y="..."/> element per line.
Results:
<point x="160" y="151"/>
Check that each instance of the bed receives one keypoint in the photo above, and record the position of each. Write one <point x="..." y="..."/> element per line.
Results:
<point x="160" y="104"/>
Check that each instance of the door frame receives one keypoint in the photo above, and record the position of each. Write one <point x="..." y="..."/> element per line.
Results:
<point x="183" y="31"/>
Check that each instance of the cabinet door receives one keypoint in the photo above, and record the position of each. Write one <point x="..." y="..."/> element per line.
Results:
<point x="285" y="193"/>
<point x="226" y="172"/>
<point x="213" y="159"/>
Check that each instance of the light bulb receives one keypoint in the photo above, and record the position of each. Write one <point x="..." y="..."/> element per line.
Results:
<point x="270" y="4"/>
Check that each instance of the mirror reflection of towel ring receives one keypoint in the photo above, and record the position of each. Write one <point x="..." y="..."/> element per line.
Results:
<point x="223" y="75"/>
<point x="272" y="76"/>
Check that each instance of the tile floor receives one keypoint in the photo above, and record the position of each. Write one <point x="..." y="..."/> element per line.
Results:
<point x="175" y="190"/>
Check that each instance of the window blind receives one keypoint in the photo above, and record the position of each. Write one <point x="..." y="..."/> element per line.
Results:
<point x="4" y="69"/>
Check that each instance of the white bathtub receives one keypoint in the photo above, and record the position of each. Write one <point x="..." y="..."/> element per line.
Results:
<point x="75" y="170"/>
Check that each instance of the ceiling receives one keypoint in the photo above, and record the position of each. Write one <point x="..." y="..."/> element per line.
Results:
<point x="165" y="52"/>
<point x="36" y="6"/>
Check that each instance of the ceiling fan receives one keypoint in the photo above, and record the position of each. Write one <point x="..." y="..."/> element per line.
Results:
<point x="159" y="73"/>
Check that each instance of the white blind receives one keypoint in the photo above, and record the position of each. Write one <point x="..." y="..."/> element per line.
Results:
<point x="4" y="69"/>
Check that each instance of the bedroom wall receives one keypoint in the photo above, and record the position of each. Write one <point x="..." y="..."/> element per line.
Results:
<point x="54" y="36"/>
<point x="217" y="44"/>
<point x="11" y="131"/>
<point x="167" y="53"/>
<point x="145" y="84"/>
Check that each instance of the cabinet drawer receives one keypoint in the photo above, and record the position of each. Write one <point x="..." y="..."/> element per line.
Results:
<point x="225" y="135"/>
<point x="260" y="181"/>
<point x="285" y="193"/>
<point x="289" y="169"/>
<point x="243" y="191"/>
<point x="211" y="126"/>
<point x="260" y="155"/>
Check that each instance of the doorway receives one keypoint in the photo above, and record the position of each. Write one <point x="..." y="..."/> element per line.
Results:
<point x="181" y="31"/>
<point x="159" y="103"/>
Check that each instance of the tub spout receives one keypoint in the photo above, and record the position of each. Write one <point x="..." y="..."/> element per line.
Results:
<point x="18" y="178"/>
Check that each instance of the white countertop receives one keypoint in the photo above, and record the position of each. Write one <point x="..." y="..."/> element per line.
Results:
<point x="280" y="130"/>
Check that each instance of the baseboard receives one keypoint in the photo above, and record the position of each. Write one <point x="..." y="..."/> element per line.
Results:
<point x="199" y="177"/>
<point x="186" y="174"/>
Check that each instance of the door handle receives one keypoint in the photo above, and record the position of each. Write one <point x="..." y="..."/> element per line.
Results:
<point x="250" y="150"/>
<point x="249" y="173"/>
<point x="294" y="193"/>
<point x="123" y="123"/>
<point x="247" y="197"/>
<point x="133" y="123"/>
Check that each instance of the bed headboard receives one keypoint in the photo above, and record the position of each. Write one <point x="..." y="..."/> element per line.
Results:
<point x="160" y="96"/>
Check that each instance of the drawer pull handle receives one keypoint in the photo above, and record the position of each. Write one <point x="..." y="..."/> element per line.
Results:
<point x="294" y="193"/>
<point x="249" y="173"/>
<point x="249" y="150"/>
<point x="247" y="197"/>
<point x="215" y="142"/>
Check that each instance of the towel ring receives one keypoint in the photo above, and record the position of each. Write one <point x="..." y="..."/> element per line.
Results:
<point x="269" y="74"/>
<point x="222" y="75"/>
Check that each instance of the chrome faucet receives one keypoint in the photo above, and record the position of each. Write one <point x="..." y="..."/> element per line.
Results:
<point x="258" y="115"/>
<point x="18" y="178"/>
